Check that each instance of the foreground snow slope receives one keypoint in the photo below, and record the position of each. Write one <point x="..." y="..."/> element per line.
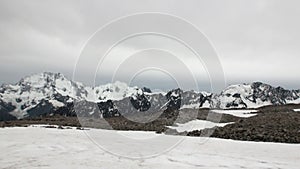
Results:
<point x="70" y="149"/>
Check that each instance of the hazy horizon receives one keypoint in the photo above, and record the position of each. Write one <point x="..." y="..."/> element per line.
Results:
<point x="153" y="86"/>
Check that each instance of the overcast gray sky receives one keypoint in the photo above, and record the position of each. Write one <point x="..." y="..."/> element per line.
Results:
<point x="257" y="40"/>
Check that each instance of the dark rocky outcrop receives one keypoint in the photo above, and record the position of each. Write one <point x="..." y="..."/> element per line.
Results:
<point x="174" y="99"/>
<point x="271" y="124"/>
<point x="140" y="101"/>
<point x="5" y="108"/>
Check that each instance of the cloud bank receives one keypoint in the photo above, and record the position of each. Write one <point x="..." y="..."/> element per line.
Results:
<point x="256" y="40"/>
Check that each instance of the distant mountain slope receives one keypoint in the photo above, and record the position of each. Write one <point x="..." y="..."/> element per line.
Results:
<point x="48" y="93"/>
<point x="254" y="95"/>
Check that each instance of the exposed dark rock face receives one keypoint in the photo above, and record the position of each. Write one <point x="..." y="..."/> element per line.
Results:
<point x="277" y="96"/>
<point x="60" y="98"/>
<point x="238" y="102"/>
<point x="236" y="95"/>
<point x="18" y="100"/>
<point x="140" y="101"/>
<point x="86" y="109"/>
<point x="5" y="108"/>
<point x="5" y="116"/>
<point x="174" y="99"/>
<point x="43" y="108"/>
<point x="193" y="99"/>
<point x="67" y="110"/>
<point x="93" y="110"/>
<point x="108" y="109"/>
<point x="146" y="90"/>
<point x="203" y="99"/>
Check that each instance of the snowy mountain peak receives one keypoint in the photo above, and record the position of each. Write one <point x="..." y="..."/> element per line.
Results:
<point x="254" y="95"/>
<point x="55" y="90"/>
<point x="42" y="80"/>
<point x="45" y="76"/>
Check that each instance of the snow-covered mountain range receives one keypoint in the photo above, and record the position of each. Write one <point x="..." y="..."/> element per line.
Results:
<point x="254" y="95"/>
<point x="47" y="93"/>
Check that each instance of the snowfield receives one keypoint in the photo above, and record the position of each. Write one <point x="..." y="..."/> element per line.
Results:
<point x="45" y="148"/>
<point x="237" y="113"/>
<point x="196" y="125"/>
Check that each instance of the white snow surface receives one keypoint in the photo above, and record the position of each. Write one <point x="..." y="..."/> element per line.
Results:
<point x="297" y="110"/>
<point x="43" y="148"/>
<point x="237" y="113"/>
<point x="196" y="125"/>
<point x="56" y="103"/>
